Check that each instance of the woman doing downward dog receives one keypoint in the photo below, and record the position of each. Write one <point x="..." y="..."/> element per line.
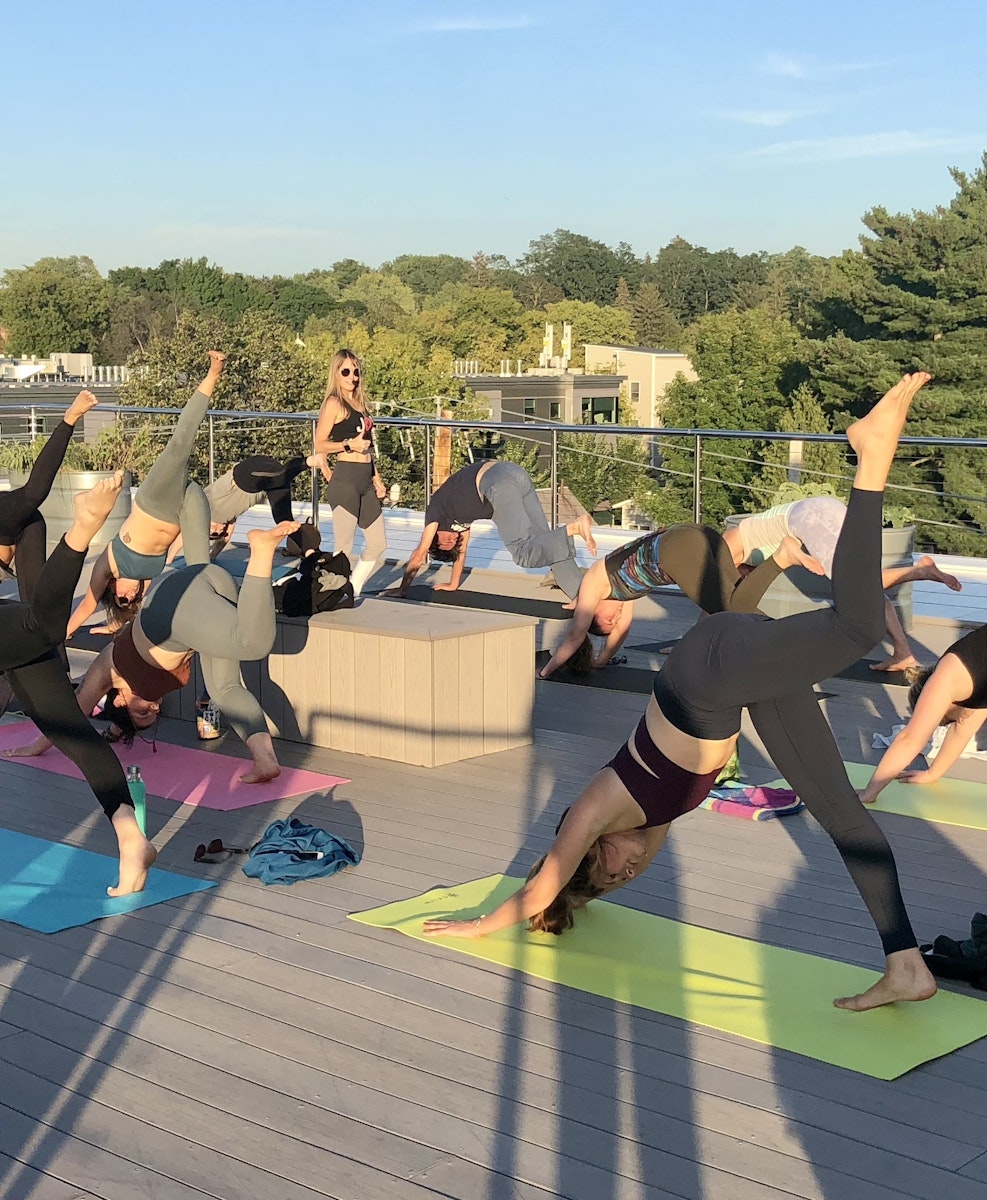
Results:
<point x="196" y="609"/>
<point x="501" y="492"/>
<point x="693" y="556"/>
<point x="722" y="665"/>
<point x="139" y="551"/>
<point x="355" y="487"/>
<point x="952" y="693"/>
<point x="29" y="635"/>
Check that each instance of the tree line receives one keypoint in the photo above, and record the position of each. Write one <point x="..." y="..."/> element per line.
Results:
<point x="791" y="341"/>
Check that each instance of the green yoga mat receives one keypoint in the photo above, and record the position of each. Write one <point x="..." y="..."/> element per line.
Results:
<point x="946" y="802"/>
<point x="772" y="996"/>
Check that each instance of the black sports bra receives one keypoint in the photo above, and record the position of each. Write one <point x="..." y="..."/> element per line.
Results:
<point x="972" y="653"/>
<point x="354" y="424"/>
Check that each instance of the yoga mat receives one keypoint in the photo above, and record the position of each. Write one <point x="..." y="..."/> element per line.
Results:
<point x="47" y="886"/>
<point x="200" y="777"/>
<point x="772" y="996"/>
<point x="946" y="802"/>
<point x="85" y="639"/>
<point x="237" y="567"/>
<point x="861" y="672"/>
<point x="524" y="606"/>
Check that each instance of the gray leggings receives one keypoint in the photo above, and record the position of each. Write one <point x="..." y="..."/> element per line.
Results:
<point x="198" y="608"/>
<point x="354" y="503"/>
<point x="521" y="523"/>
<point x="163" y="491"/>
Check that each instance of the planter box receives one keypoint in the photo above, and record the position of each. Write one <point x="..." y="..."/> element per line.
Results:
<point x="58" y="510"/>
<point x="798" y="590"/>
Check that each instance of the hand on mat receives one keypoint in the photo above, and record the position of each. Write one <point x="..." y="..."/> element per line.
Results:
<point x="438" y="927"/>
<point x="916" y="777"/>
<point x="31" y="750"/>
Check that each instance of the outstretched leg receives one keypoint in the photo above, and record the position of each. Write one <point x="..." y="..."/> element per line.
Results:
<point x="163" y="490"/>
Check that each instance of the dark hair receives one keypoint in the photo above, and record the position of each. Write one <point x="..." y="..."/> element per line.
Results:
<point x="597" y="628"/>
<point x="119" y="716"/>
<point x="918" y="677"/>
<point x="437" y="554"/>
<point x="120" y="613"/>
<point x="576" y="894"/>
<point x="581" y="662"/>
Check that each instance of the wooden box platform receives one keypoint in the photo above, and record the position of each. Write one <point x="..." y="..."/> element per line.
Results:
<point x="409" y="682"/>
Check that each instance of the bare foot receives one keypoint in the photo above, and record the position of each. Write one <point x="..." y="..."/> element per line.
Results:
<point x="261" y="773"/>
<point x="926" y="569"/>
<point x="791" y="554"/>
<point x="79" y="407"/>
<point x="583" y="528"/>
<point x="875" y="436"/>
<point x="315" y="460"/>
<point x="217" y="360"/>
<point x="137" y="855"/>
<point x="906" y="978"/>
<point x="896" y="663"/>
<point x="262" y="538"/>
<point x="91" y="510"/>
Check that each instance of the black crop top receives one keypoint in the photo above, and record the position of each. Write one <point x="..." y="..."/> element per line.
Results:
<point x="355" y="424"/>
<point x="457" y="503"/>
<point x="972" y="653"/>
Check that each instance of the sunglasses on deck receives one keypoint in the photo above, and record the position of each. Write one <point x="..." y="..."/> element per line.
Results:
<point x="346" y="372"/>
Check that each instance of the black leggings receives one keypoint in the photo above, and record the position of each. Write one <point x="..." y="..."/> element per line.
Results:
<point x="21" y="525"/>
<point x="732" y="660"/>
<point x="698" y="559"/>
<point x="262" y="473"/>
<point x="29" y="635"/>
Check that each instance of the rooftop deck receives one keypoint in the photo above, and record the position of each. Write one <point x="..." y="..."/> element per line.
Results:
<point x="250" y="1042"/>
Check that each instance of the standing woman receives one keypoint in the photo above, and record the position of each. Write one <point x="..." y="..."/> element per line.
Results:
<point x="139" y="551"/>
<point x="724" y="664"/>
<point x="355" y="487"/>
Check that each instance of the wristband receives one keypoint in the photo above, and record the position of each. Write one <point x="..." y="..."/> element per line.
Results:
<point x="346" y="447"/>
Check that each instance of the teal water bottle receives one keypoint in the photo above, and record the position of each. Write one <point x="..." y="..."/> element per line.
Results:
<point x="138" y="793"/>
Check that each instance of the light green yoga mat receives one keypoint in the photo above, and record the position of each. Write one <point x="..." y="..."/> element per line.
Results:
<point x="772" y="996"/>
<point x="946" y="802"/>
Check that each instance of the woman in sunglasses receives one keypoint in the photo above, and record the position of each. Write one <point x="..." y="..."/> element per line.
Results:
<point x="726" y="663"/>
<point x="355" y="487"/>
<point x="139" y="551"/>
<point x="195" y="610"/>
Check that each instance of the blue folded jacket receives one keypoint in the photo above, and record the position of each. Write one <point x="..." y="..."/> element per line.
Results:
<point x="291" y="850"/>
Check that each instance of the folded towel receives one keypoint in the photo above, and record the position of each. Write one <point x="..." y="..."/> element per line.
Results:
<point x="753" y="803"/>
<point x="291" y="850"/>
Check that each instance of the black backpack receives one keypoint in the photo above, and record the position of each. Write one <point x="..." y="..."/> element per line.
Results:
<point x="322" y="584"/>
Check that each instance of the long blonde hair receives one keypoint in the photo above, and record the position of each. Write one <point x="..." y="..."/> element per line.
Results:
<point x="339" y="360"/>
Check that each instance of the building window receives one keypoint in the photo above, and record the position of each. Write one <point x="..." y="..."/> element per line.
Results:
<point x="555" y="410"/>
<point x="529" y="408"/>
<point x="600" y="410"/>
<point x="635" y="392"/>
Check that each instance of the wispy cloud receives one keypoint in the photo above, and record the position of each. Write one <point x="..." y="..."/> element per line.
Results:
<point x="769" y="118"/>
<point x="239" y="233"/>
<point x="793" y="66"/>
<point x="476" y="24"/>
<point x="867" y="145"/>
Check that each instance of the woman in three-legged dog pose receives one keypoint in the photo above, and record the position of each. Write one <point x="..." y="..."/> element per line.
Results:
<point x="355" y="487"/>
<point x="139" y="551"/>
<point x="501" y="492"/>
<point x="194" y="610"/>
<point x="29" y="635"/>
<point x="723" y="664"/>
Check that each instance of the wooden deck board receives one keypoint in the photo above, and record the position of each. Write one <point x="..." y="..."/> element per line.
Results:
<point x="251" y="1041"/>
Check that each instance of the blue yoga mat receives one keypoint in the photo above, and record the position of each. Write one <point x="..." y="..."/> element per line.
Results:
<point x="237" y="567"/>
<point x="47" y="886"/>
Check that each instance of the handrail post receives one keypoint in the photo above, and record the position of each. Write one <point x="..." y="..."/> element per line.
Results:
<point x="315" y="479"/>
<point x="428" y="462"/>
<point x="697" y="497"/>
<point x="555" y="478"/>
<point x="32" y="424"/>
<point x="212" y="450"/>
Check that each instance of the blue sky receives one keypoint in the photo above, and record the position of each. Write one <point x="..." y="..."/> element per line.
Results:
<point x="273" y="138"/>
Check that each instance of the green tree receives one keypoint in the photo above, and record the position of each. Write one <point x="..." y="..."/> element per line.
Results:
<point x="824" y="464"/>
<point x="584" y="269"/>
<point x="426" y="274"/>
<point x="385" y="299"/>
<point x="695" y="281"/>
<point x="655" y="325"/>
<point x="55" y="304"/>
<point x="590" y="323"/>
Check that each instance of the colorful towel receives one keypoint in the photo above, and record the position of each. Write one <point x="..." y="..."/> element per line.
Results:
<point x="753" y="803"/>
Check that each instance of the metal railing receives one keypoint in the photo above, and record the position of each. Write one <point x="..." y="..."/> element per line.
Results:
<point x="548" y="434"/>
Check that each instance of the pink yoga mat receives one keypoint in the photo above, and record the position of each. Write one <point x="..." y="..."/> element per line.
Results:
<point x="199" y="777"/>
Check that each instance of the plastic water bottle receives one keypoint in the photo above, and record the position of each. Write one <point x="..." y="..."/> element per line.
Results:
<point x="138" y="793"/>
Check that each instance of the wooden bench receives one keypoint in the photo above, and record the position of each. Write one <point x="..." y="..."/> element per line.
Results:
<point x="408" y="682"/>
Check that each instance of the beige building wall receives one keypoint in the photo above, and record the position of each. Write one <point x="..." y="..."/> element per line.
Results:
<point x="648" y="372"/>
